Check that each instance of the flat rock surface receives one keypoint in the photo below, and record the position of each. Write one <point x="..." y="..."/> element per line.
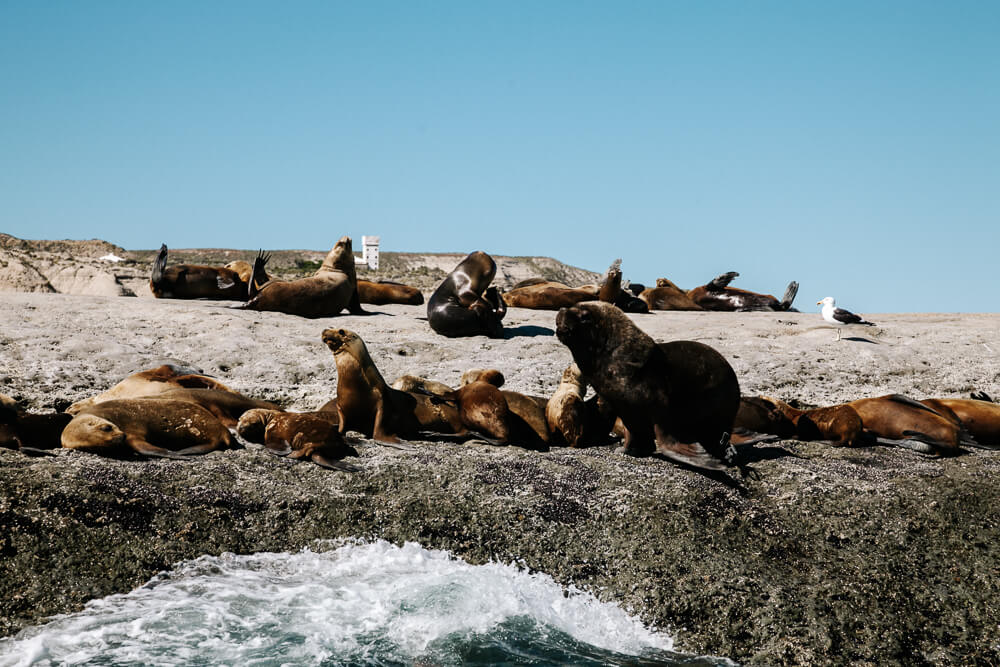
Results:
<point x="869" y="555"/>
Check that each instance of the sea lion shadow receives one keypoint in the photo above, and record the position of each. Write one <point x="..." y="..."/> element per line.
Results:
<point x="527" y="330"/>
<point x="860" y="339"/>
<point x="753" y="454"/>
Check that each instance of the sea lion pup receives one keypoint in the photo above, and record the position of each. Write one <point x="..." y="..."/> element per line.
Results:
<point x="153" y="381"/>
<point x="303" y="436"/>
<point x="677" y="399"/>
<point x="227" y="406"/>
<point x="385" y="291"/>
<point x="195" y="281"/>
<point x="464" y="304"/>
<point x="366" y="404"/>
<point x="27" y="431"/>
<point x="146" y="426"/>
<point x="717" y="295"/>
<point x="333" y="288"/>
<point x="667" y="296"/>
<point x="900" y="420"/>
<point x="980" y="418"/>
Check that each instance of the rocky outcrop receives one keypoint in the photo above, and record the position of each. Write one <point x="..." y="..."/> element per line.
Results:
<point x="868" y="556"/>
<point x="18" y="275"/>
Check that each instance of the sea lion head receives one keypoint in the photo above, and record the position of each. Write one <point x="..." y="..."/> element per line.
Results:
<point x="489" y="375"/>
<point x="586" y="327"/>
<point x="242" y="268"/>
<point x="253" y="424"/>
<point x="341" y="341"/>
<point x="91" y="432"/>
<point x="340" y="257"/>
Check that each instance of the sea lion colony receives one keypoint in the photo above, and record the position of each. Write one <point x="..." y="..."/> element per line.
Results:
<point x="677" y="400"/>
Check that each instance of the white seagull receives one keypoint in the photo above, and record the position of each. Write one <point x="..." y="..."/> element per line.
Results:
<point x="840" y="317"/>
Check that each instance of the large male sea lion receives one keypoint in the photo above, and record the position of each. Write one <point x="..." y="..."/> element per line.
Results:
<point x="153" y="381"/>
<point x="146" y="426"/>
<point x="382" y="292"/>
<point x="678" y="399"/>
<point x="195" y="281"/>
<point x="464" y="304"/>
<point x="310" y="436"/>
<point x="365" y="403"/>
<point x="333" y="288"/>
<point x="717" y="295"/>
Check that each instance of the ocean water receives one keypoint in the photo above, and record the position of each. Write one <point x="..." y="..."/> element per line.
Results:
<point x="362" y="603"/>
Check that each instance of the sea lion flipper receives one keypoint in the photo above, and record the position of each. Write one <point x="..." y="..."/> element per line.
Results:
<point x="278" y="450"/>
<point x="913" y="403"/>
<point x="981" y="396"/>
<point x="790" y="292"/>
<point x="721" y="282"/>
<point x="909" y="443"/>
<point x="159" y="265"/>
<point x="691" y="453"/>
<point x="140" y="446"/>
<point x="333" y="464"/>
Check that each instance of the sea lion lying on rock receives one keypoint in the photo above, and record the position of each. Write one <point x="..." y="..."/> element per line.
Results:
<point x="903" y="421"/>
<point x="540" y="294"/>
<point x="677" y="399"/>
<point x="146" y="426"/>
<point x="980" y="418"/>
<point x="329" y="291"/>
<point x="667" y="296"/>
<point x="195" y="281"/>
<point x="29" y="432"/>
<point x="464" y="304"/>
<point x="227" y="406"/>
<point x="840" y="425"/>
<point x="308" y="436"/>
<point x="385" y="291"/>
<point x="717" y="295"/>
<point x="151" y="382"/>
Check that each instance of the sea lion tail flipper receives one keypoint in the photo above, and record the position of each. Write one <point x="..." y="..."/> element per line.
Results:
<point x="692" y="453"/>
<point x="790" y="292"/>
<point x="397" y="444"/>
<point x="333" y="464"/>
<point x="918" y="446"/>
<point x="144" y="448"/>
<point x="721" y="282"/>
<point x="159" y="265"/>
<point x="981" y="396"/>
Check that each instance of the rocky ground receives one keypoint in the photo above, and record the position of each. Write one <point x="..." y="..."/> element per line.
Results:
<point x="870" y="556"/>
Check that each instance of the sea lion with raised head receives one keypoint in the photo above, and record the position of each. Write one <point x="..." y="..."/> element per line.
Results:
<point x="146" y="426"/>
<point x="717" y="295"/>
<point x="195" y="281"/>
<point x="677" y="399"/>
<point x="667" y="296"/>
<point x="153" y="381"/>
<point x="333" y="288"/>
<point x="305" y="436"/>
<point x="464" y="304"/>
<point x="366" y="404"/>
<point x="382" y="292"/>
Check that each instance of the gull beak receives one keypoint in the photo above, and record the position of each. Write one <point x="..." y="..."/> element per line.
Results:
<point x="819" y="303"/>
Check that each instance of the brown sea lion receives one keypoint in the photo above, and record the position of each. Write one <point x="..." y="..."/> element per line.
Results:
<point x="717" y="295"/>
<point x="153" y="381"/>
<point x="980" y="418"/>
<point x="333" y="288"/>
<point x="28" y="431"/>
<point x="491" y="375"/>
<point x="227" y="406"/>
<point x="903" y="421"/>
<point x="667" y="296"/>
<point x="838" y="424"/>
<point x="564" y="411"/>
<point x="366" y="404"/>
<point x="464" y="304"/>
<point x="194" y="281"/>
<point x="414" y="383"/>
<point x="253" y="275"/>
<point x="678" y="399"/>
<point x="309" y="436"/>
<point x="146" y="426"/>
<point x="483" y="409"/>
<point x="540" y="294"/>
<point x="385" y="291"/>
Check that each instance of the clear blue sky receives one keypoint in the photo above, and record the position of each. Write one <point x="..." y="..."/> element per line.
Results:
<point x="852" y="146"/>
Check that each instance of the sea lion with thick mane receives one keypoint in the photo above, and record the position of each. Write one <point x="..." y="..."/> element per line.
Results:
<point x="667" y="296"/>
<point x="366" y="404"/>
<point x="464" y="304"/>
<point x="146" y="426"/>
<point x="195" y="281"/>
<point x="717" y="295"/>
<point x="381" y="292"/>
<point x="302" y="436"/>
<point x="153" y="381"/>
<point x="677" y="399"/>
<point x="329" y="291"/>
